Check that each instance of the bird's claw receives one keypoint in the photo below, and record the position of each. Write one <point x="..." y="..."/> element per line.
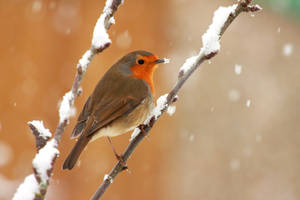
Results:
<point x="123" y="163"/>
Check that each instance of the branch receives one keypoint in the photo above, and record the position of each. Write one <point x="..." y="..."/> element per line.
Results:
<point x="42" y="135"/>
<point x="223" y="17"/>
<point x="35" y="185"/>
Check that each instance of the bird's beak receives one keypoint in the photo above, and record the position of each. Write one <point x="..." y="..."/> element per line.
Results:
<point x="159" y="61"/>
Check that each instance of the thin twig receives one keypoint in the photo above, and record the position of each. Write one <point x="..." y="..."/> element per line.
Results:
<point x="35" y="185"/>
<point x="167" y="100"/>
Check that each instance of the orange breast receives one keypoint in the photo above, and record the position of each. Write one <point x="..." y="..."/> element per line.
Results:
<point x="145" y="72"/>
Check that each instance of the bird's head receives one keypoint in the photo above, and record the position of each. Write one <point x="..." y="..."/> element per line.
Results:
<point x="141" y="64"/>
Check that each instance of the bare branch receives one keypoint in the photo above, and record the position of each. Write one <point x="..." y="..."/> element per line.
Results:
<point x="209" y="50"/>
<point x="35" y="185"/>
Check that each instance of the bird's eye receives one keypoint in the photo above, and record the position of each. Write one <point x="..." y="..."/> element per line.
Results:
<point x="141" y="61"/>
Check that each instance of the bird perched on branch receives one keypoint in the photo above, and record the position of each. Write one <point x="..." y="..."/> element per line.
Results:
<point x="122" y="100"/>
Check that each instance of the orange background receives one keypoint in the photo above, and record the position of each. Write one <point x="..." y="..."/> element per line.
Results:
<point x="213" y="147"/>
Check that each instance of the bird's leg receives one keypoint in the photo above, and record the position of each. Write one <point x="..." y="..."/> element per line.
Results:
<point x="119" y="158"/>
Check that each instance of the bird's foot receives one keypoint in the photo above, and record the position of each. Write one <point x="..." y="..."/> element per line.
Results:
<point x="121" y="160"/>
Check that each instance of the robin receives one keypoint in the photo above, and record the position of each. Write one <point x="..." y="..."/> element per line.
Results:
<point x="122" y="100"/>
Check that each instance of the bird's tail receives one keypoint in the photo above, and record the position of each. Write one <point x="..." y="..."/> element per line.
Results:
<point x="76" y="151"/>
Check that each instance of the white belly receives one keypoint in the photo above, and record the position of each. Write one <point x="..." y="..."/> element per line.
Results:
<point x="111" y="131"/>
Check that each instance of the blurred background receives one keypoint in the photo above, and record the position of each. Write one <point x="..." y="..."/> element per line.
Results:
<point x="235" y="133"/>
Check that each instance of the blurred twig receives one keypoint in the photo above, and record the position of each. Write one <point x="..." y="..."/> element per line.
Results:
<point x="166" y="100"/>
<point x="35" y="185"/>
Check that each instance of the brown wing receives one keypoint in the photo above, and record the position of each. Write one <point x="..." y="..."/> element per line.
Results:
<point x="112" y="111"/>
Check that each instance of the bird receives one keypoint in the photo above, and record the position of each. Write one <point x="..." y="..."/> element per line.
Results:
<point x="121" y="100"/>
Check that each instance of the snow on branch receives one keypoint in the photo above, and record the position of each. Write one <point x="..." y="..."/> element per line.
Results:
<point x="28" y="189"/>
<point x="211" y="39"/>
<point x="100" y="36"/>
<point x="66" y="108"/>
<point x="43" y="162"/>
<point x="223" y="17"/>
<point x="35" y="185"/>
<point x="42" y="135"/>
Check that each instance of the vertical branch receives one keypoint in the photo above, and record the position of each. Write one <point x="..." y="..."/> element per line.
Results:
<point x="35" y="185"/>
